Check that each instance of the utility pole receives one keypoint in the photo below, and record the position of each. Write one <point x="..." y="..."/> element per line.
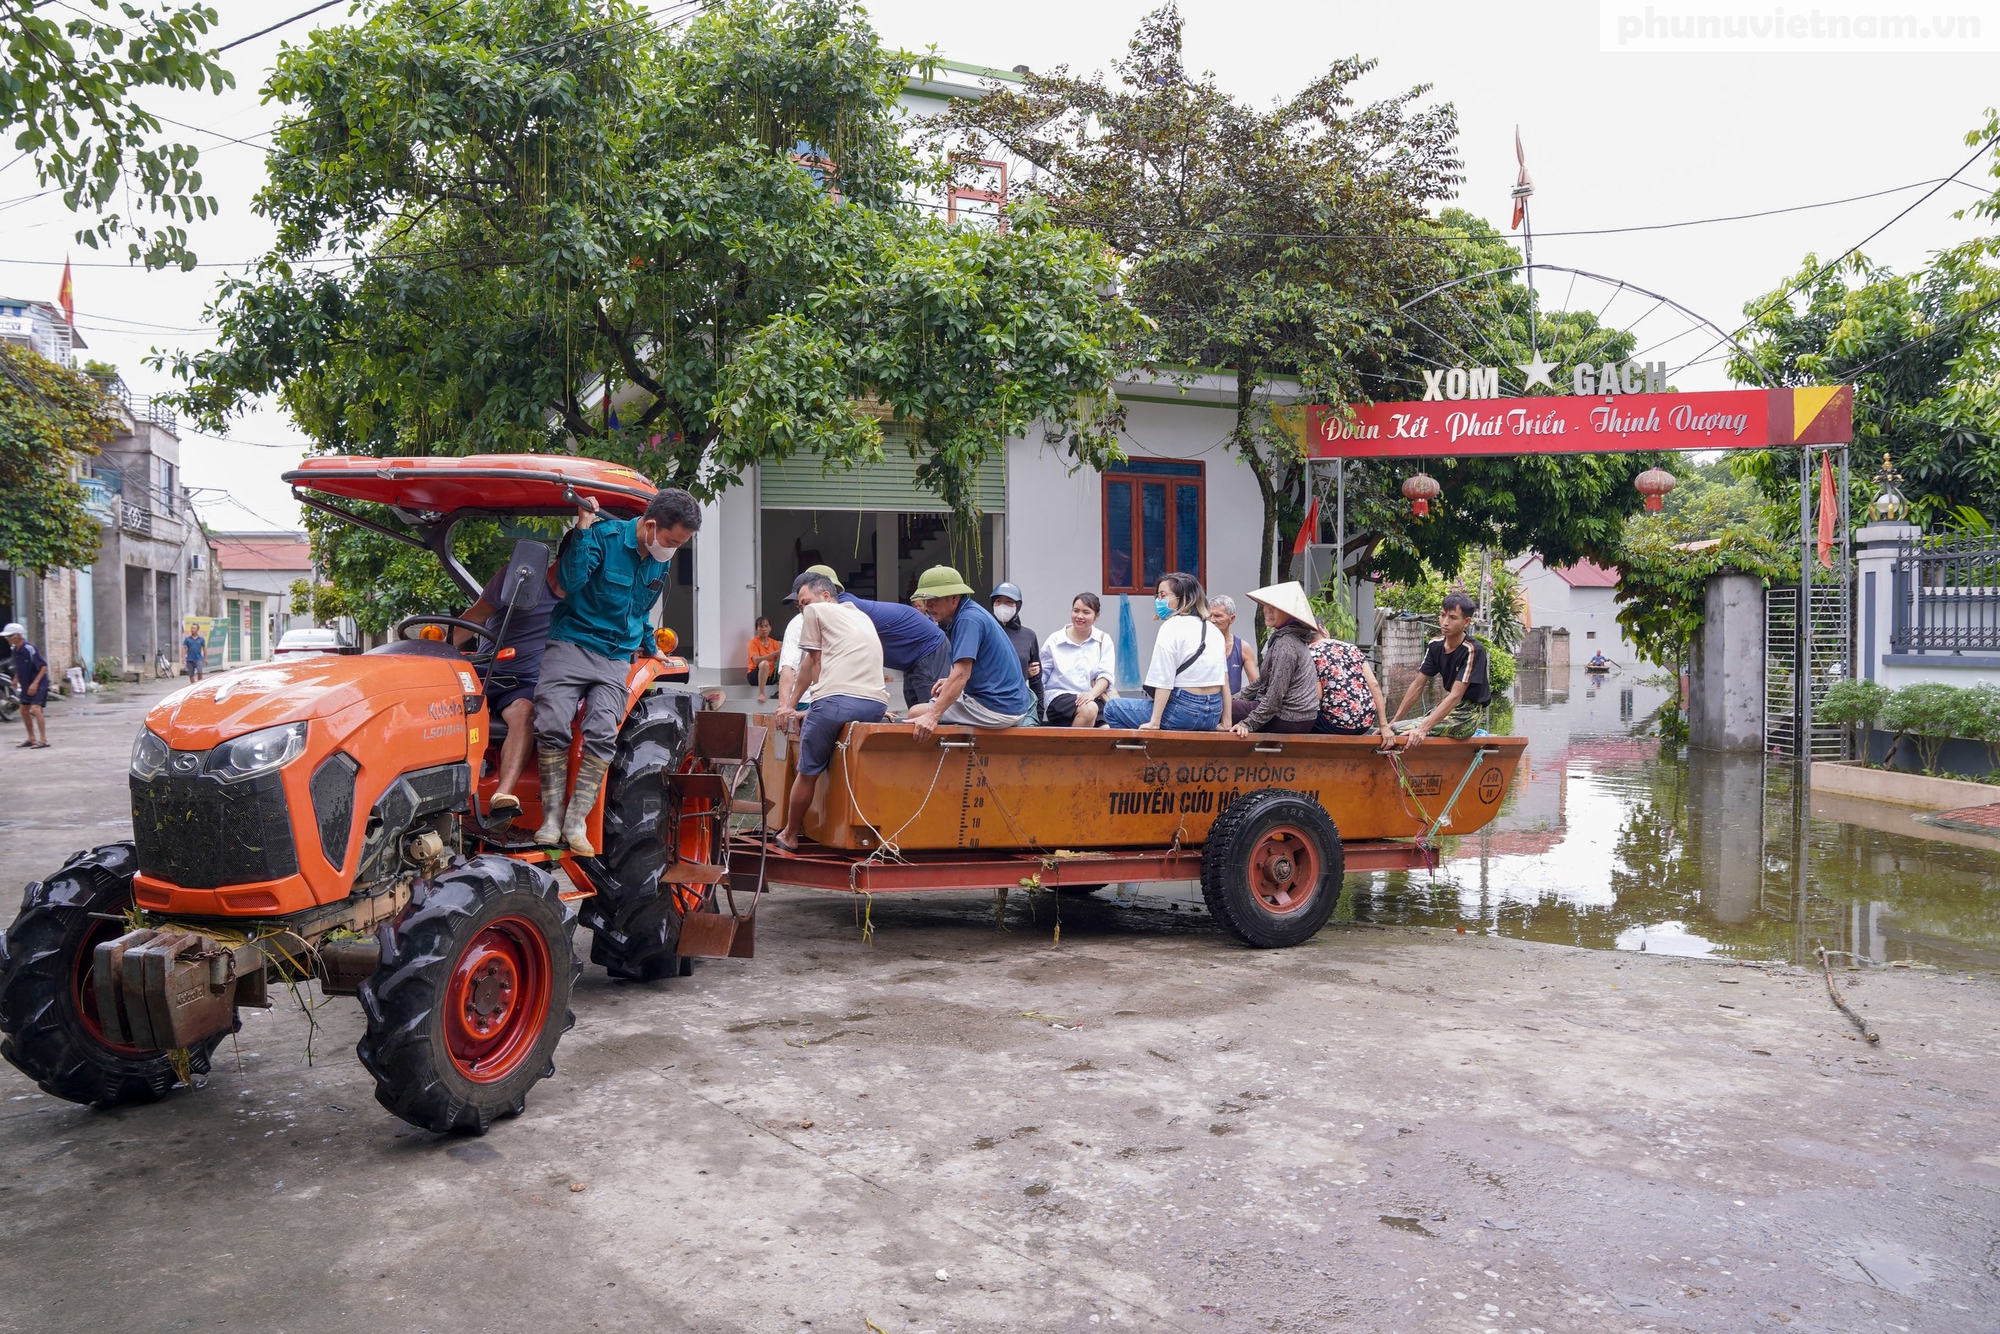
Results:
<point x="1524" y="190"/>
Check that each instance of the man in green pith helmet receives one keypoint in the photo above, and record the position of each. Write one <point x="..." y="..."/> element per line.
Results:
<point x="986" y="686"/>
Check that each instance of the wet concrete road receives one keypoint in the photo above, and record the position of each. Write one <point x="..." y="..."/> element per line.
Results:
<point x="959" y="1127"/>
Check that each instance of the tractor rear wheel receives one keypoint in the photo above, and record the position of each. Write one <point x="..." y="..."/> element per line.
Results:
<point x="48" y="1008"/>
<point x="1271" y="868"/>
<point x="634" y="920"/>
<point x="464" y="1012"/>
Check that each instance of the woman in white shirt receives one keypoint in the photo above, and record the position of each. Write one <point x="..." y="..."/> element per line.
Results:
<point x="1077" y="663"/>
<point x="1189" y="671"/>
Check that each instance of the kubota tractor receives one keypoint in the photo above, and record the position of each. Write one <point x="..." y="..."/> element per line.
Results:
<point x="323" y="818"/>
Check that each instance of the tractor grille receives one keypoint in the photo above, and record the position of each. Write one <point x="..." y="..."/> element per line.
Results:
<point x="197" y="833"/>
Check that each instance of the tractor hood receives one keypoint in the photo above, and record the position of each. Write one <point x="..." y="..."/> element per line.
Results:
<point x="340" y="689"/>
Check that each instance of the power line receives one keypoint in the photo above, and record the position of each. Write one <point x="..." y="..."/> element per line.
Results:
<point x="1837" y="260"/>
<point x="281" y="23"/>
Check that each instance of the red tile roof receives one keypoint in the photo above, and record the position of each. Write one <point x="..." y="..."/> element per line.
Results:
<point x="262" y="553"/>
<point x="1584" y="574"/>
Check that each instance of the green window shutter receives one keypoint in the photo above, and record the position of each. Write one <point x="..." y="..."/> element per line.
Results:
<point x="797" y="483"/>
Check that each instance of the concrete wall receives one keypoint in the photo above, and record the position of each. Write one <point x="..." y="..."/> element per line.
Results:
<point x="1726" y="700"/>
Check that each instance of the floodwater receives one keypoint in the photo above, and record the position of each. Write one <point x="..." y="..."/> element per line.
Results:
<point x="1611" y="839"/>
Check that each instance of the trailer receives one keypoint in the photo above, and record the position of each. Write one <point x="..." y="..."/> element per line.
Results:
<point x="1269" y="824"/>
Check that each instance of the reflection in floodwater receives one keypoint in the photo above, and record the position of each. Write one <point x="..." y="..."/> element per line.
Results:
<point x="1609" y="840"/>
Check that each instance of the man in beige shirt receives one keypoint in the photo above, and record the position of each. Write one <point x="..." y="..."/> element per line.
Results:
<point x="842" y="666"/>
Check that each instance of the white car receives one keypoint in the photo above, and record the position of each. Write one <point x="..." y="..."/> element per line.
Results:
<point x="296" y="642"/>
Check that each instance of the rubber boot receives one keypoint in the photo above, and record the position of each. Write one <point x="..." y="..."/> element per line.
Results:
<point x="589" y="781"/>
<point x="554" y="767"/>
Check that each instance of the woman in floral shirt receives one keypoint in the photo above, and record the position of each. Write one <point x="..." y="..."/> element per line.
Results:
<point x="1350" y="698"/>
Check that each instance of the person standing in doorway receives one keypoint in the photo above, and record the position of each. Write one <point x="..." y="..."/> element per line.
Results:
<point x="609" y="576"/>
<point x="31" y="674"/>
<point x="194" y="652"/>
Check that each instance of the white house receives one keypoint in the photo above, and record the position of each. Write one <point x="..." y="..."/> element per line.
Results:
<point x="1181" y="502"/>
<point x="1580" y="598"/>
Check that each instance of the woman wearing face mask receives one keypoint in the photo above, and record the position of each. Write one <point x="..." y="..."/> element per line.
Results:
<point x="1188" y="677"/>
<point x="1028" y="645"/>
<point x="1077" y="663"/>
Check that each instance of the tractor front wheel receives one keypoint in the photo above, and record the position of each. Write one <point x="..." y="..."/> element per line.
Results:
<point x="1271" y="868"/>
<point x="464" y="1012"/>
<point x="48" y="1007"/>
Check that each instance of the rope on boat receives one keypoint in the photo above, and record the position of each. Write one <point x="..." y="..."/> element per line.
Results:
<point x="886" y="847"/>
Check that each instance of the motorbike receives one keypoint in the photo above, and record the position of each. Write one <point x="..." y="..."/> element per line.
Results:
<point x="10" y="696"/>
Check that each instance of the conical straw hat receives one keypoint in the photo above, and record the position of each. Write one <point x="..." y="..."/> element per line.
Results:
<point x="1289" y="598"/>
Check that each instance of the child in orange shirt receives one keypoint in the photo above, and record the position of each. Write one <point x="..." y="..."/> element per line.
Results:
<point x="763" y="657"/>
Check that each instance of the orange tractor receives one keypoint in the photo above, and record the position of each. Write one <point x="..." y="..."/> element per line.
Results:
<point x="323" y="818"/>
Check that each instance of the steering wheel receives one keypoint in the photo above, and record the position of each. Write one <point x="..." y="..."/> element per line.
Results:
<point x="482" y="656"/>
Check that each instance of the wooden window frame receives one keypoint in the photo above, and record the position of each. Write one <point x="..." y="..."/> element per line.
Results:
<point x="1177" y="478"/>
<point x="997" y="198"/>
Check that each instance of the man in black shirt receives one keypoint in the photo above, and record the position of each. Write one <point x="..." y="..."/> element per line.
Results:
<point x="1459" y="661"/>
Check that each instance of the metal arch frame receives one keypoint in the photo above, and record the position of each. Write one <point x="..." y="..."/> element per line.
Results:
<point x="1726" y="337"/>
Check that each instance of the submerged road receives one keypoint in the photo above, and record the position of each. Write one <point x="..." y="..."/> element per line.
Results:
<point x="964" y="1127"/>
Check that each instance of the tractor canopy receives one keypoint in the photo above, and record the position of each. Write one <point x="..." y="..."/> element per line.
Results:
<point x="431" y="496"/>
<point x="487" y="483"/>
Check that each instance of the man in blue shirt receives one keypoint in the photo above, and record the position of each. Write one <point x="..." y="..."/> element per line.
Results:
<point x="986" y="686"/>
<point x="31" y="678"/>
<point x="609" y="574"/>
<point x="194" y="652"/>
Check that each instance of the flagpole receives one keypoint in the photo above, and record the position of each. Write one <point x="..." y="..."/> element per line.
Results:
<point x="1524" y="190"/>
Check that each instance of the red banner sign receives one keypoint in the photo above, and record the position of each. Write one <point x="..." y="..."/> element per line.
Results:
<point x="1566" y="424"/>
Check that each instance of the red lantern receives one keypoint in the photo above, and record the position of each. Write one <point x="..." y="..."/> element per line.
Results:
<point x="1420" y="490"/>
<point x="1654" y="484"/>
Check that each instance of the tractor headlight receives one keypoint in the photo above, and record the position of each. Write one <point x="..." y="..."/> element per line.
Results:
<point x="149" y="756"/>
<point x="257" y="753"/>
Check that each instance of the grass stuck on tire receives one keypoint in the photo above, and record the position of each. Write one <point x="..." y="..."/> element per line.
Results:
<point x="48" y="1009"/>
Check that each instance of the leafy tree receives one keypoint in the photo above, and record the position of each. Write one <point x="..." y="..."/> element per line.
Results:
<point x="1662" y="586"/>
<point x="1567" y="507"/>
<point x="1710" y="500"/>
<point x="51" y="419"/>
<point x="1923" y="352"/>
<point x="66" y="95"/>
<point x="1270" y="243"/>
<point x="678" y="249"/>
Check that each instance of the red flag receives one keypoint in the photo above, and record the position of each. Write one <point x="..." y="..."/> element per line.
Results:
<point x="1523" y="187"/>
<point x="66" y="296"/>
<point x="1309" y="529"/>
<point x="1829" y="505"/>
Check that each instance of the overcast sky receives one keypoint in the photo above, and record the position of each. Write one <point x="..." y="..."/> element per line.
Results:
<point x="1613" y="140"/>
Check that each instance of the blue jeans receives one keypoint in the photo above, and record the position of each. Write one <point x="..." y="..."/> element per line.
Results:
<point x="1185" y="712"/>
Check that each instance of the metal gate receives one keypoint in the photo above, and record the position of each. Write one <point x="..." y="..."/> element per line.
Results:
<point x="1828" y="663"/>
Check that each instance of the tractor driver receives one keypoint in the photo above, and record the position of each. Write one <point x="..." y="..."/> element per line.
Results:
<point x="510" y="682"/>
<point x="609" y="575"/>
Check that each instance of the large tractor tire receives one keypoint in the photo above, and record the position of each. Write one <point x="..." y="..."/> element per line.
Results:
<point x="464" y="1011"/>
<point x="48" y="1009"/>
<point x="1271" y="868"/>
<point x="634" y="920"/>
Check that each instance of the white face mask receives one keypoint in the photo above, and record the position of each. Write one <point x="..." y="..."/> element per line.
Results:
<point x="1004" y="611"/>
<point x="660" y="553"/>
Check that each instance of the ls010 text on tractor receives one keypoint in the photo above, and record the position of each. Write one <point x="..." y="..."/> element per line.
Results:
<point x="321" y="818"/>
